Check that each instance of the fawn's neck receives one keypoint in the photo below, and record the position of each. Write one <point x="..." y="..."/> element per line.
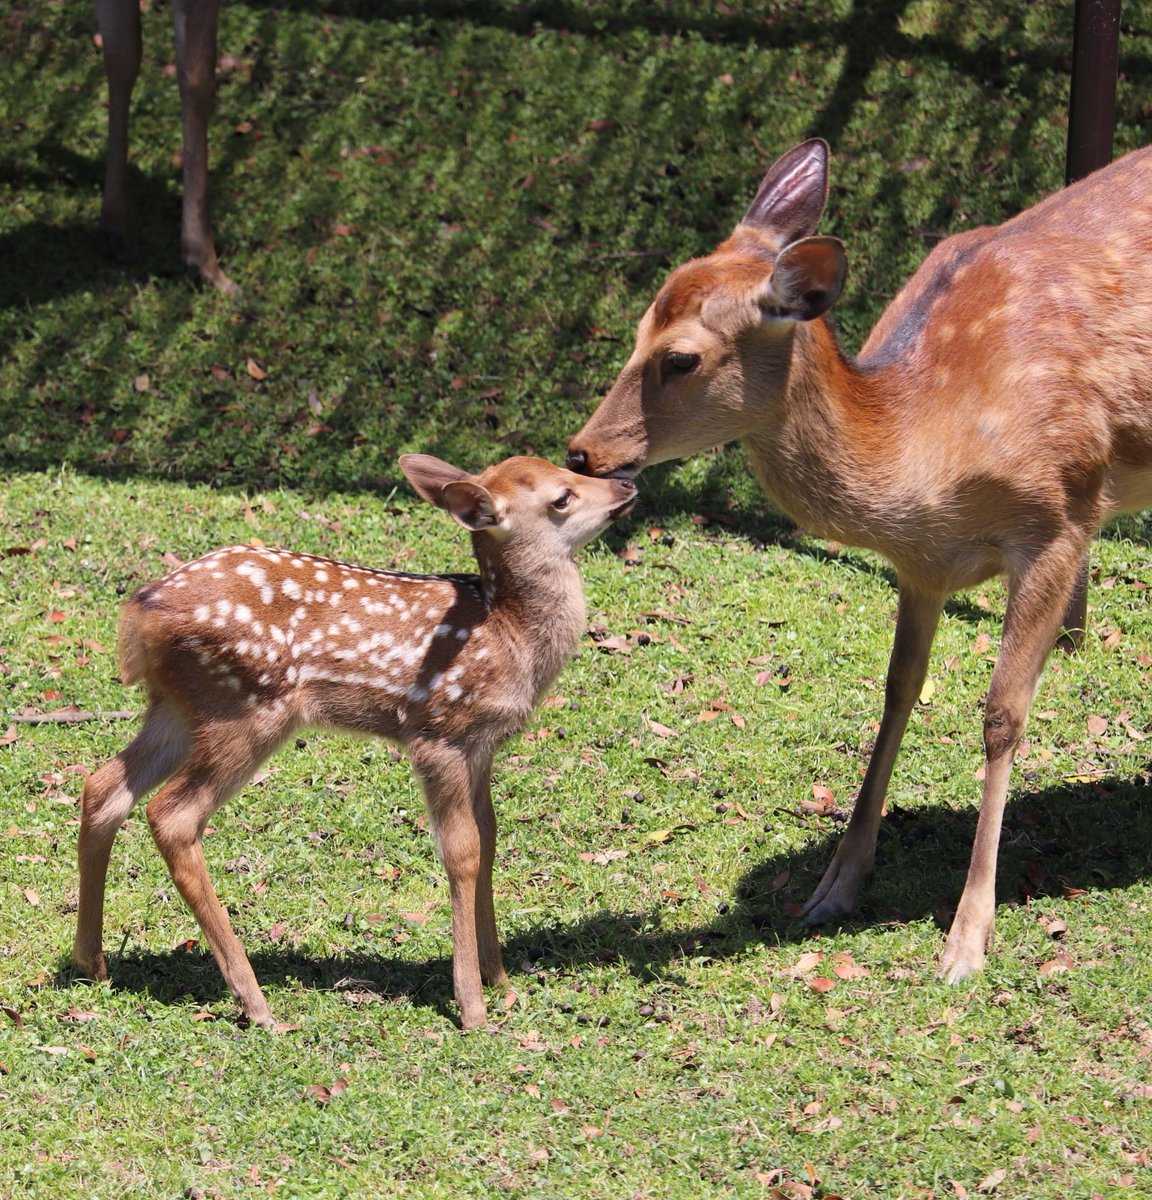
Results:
<point x="537" y="600"/>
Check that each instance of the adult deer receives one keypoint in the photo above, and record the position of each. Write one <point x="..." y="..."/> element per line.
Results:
<point x="245" y="646"/>
<point x="195" y="22"/>
<point x="998" y="413"/>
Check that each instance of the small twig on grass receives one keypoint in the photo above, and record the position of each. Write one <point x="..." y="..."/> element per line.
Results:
<point x="73" y="715"/>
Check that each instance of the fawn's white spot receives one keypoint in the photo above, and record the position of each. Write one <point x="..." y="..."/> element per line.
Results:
<point x="291" y="588"/>
<point x="320" y="575"/>
<point x="256" y="574"/>
<point x="242" y="613"/>
<point x="202" y="612"/>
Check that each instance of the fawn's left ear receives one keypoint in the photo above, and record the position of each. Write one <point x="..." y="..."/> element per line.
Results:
<point x="472" y="505"/>
<point x="430" y="475"/>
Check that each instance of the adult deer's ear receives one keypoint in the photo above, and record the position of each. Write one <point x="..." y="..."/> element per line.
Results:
<point x="806" y="280"/>
<point x="429" y="476"/>
<point x="472" y="505"/>
<point x="792" y="195"/>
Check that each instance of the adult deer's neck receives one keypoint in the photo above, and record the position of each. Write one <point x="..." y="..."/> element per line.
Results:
<point x="828" y="451"/>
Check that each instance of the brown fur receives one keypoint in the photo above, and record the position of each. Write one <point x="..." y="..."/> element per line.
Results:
<point x="242" y="648"/>
<point x="999" y="412"/>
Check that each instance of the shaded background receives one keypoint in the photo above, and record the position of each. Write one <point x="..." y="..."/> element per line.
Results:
<point x="446" y="220"/>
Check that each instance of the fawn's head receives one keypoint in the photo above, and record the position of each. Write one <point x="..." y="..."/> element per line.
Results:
<point x="714" y="348"/>
<point x="523" y="501"/>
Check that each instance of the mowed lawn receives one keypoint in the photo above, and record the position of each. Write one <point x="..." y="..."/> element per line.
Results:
<point x="446" y="220"/>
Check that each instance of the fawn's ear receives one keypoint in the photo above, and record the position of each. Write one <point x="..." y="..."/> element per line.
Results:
<point x="472" y="505"/>
<point x="430" y="475"/>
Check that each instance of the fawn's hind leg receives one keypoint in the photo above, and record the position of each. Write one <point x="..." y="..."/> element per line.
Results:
<point x="156" y="751"/>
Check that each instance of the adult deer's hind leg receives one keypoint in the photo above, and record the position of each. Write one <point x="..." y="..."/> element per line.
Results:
<point x="151" y="757"/>
<point x="119" y="25"/>
<point x="195" y="22"/>
<point x="1040" y="593"/>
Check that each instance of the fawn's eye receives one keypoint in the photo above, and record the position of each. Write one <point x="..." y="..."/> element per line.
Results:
<point x="562" y="501"/>
<point x="677" y="363"/>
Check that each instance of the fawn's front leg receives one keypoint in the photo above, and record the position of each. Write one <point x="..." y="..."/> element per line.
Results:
<point x="917" y="615"/>
<point x="491" y="960"/>
<point x="1039" y="595"/>
<point x="449" y="789"/>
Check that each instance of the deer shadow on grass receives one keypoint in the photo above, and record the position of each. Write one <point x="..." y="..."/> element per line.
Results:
<point x="1095" y="836"/>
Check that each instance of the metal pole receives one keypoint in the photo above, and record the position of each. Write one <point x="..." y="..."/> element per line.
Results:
<point x="1092" y="103"/>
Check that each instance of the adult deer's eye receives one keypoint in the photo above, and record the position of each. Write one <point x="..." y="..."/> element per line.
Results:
<point x="562" y="502"/>
<point x="677" y="363"/>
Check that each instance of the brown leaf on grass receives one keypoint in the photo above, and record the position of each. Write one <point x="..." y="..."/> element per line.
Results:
<point x="13" y="1015"/>
<point x="278" y="930"/>
<point x="991" y="1182"/>
<point x="76" y="1016"/>
<point x="982" y="644"/>
<point x="806" y="962"/>
<point x="1054" y="928"/>
<point x="8" y="736"/>
<point x="322" y="1095"/>
<point x="256" y="370"/>
<point x="559" y="1106"/>
<point x="1097" y="726"/>
<point x="617" y="644"/>
<point x="1055" y="965"/>
<point x="821" y="984"/>
<point x="659" y="730"/>
<point x="86" y="1052"/>
<point x="32" y="897"/>
<point x="844" y="966"/>
<point x="822" y="802"/>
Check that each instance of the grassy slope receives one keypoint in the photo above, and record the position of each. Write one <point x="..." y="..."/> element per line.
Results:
<point x="437" y="235"/>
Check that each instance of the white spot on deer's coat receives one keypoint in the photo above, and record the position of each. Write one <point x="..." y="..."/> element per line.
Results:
<point x="242" y="613"/>
<point x="291" y="588"/>
<point x="202" y="612"/>
<point x="321" y="576"/>
<point x="253" y="572"/>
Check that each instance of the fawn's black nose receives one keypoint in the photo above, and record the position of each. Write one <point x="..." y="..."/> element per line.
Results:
<point x="577" y="461"/>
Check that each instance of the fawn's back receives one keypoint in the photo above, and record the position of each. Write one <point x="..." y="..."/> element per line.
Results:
<point x="309" y="641"/>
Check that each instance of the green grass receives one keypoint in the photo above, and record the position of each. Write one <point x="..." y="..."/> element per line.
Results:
<point x="446" y="222"/>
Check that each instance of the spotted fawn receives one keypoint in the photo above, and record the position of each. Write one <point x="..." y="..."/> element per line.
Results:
<point x="242" y="648"/>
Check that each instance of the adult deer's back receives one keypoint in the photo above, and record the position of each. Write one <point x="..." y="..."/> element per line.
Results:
<point x="998" y="413"/>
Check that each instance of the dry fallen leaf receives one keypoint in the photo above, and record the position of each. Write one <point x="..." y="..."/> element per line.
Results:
<point x="806" y="961"/>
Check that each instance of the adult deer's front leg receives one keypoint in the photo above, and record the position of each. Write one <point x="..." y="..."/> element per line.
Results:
<point x="917" y="615"/>
<point x="119" y="25"/>
<point x="1039" y="595"/>
<point x="195" y="22"/>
